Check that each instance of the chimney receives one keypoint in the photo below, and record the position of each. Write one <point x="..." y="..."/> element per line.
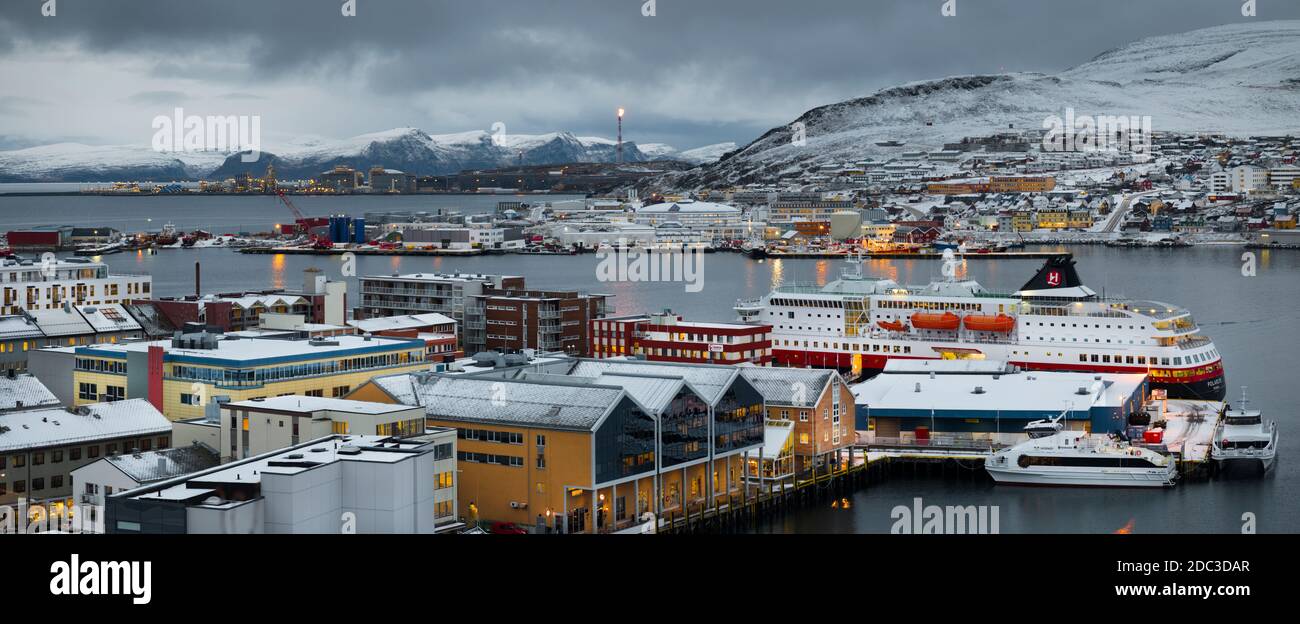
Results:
<point x="198" y="291"/>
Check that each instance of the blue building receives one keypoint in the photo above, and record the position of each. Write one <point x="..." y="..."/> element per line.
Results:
<point x="894" y="404"/>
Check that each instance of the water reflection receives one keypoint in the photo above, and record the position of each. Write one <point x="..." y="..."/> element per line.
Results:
<point x="778" y="271"/>
<point x="277" y="271"/>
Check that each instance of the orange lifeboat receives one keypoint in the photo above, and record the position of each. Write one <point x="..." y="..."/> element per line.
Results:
<point x="1000" y="323"/>
<point x="897" y="326"/>
<point x="947" y="321"/>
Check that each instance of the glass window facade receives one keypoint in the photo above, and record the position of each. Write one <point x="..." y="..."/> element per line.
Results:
<point x="738" y="418"/>
<point x="625" y="443"/>
<point x="685" y="429"/>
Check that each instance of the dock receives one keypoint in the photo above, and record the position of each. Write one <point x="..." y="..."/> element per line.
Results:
<point x="893" y="255"/>
<point x="307" y="251"/>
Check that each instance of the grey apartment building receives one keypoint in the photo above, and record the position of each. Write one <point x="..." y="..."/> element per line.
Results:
<point x="419" y="293"/>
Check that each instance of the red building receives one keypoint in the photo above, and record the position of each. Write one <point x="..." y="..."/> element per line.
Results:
<point x="667" y="338"/>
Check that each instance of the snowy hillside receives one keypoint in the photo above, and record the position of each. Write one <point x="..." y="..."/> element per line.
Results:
<point x="1239" y="79"/>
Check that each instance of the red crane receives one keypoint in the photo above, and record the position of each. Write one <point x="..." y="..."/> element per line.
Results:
<point x="302" y="223"/>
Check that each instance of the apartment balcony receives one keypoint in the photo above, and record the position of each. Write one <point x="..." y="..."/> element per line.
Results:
<point x="548" y="314"/>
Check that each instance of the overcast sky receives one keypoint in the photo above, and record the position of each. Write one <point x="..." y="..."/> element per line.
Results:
<point x="698" y="72"/>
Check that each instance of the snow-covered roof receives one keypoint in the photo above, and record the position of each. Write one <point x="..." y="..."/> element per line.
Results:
<point x="407" y="321"/>
<point x="652" y="392"/>
<point x="154" y="466"/>
<point x="788" y="386"/>
<point x="1039" y="392"/>
<point x="60" y="322"/>
<point x="23" y="391"/>
<point x="99" y="421"/>
<point x="248" y="351"/>
<point x="492" y="400"/>
<point x="18" y="327"/>
<point x="687" y="206"/>
<point x="108" y="318"/>
<point x="710" y="381"/>
<point x="309" y="404"/>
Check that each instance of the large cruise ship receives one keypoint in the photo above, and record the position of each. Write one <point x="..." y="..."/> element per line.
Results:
<point x="1054" y="322"/>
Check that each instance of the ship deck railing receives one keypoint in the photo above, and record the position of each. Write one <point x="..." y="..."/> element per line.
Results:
<point x="953" y="444"/>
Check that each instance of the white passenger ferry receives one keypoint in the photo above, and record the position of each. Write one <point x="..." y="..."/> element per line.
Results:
<point x="1055" y="456"/>
<point x="1054" y="322"/>
<point x="1242" y="436"/>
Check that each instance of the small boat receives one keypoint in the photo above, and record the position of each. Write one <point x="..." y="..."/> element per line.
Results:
<point x="167" y="237"/>
<point x="1055" y="456"/>
<point x="896" y="326"/>
<point x="999" y="323"/>
<point x="1242" y="437"/>
<point x="99" y="250"/>
<point x="946" y="321"/>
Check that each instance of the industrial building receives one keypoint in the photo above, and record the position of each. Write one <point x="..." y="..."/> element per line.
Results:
<point x="991" y="399"/>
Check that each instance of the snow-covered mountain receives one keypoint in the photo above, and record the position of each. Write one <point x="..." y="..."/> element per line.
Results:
<point x="75" y="162"/>
<point x="406" y="149"/>
<point x="414" y="151"/>
<point x="1239" y="79"/>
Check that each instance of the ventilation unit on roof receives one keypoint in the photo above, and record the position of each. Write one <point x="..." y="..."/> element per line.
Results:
<point x="978" y="390"/>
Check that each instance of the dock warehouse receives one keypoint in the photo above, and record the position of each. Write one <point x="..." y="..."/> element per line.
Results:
<point x="993" y="400"/>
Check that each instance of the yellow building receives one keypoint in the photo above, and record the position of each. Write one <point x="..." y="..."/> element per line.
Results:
<point x="1022" y="221"/>
<point x="591" y="445"/>
<point x="181" y="376"/>
<point x="1053" y="219"/>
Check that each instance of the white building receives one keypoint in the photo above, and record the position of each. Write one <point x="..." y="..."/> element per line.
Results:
<point x="36" y="285"/>
<point x="245" y="428"/>
<point x="1282" y="177"/>
<point x="106" y="476"/>
<point x="1248" y="179"/>
<point x="336" y="484"/>
<point x="714" y="220"/>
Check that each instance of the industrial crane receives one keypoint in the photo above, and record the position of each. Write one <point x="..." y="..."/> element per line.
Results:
<point x="304" y="224"/>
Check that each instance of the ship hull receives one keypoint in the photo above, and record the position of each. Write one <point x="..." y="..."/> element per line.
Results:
<point x="1084" y="478"/>
<point x="1211" y="387"/>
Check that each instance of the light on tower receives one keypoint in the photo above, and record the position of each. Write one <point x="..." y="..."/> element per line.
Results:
<point x="620" y="113"/>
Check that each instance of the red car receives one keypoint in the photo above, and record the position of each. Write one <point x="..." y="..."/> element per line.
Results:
<point x="506" y="528"/>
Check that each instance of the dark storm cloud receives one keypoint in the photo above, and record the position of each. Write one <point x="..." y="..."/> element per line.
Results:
<point x="774" y="58"/>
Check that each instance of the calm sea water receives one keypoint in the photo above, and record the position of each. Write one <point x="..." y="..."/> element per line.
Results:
<point x="1253" y="321"/>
